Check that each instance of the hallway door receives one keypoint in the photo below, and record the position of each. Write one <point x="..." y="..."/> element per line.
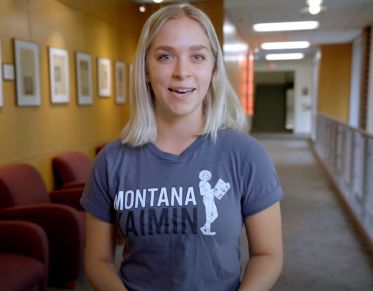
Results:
<point x="270" y="108"/>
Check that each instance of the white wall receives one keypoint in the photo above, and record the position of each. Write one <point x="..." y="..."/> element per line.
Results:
<point x="370" y="89"/>
<point x="303" y="78"/>
<point x="315" y="85"/>
<point x="354" y="113"/>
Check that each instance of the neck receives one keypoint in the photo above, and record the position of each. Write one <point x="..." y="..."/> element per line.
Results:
<point x="175" y="136"/>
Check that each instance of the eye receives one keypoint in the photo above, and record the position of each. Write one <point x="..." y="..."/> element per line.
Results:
<point x="165" y="58"/>
<point x="199" y="58"/>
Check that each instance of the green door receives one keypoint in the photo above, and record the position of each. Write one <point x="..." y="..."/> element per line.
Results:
<point x="269" y="108"/>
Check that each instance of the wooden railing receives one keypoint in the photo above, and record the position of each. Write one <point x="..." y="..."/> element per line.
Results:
<point x="347" y="155"/>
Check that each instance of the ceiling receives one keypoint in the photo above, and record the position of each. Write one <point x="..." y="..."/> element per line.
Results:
<point x="340" y="22"/>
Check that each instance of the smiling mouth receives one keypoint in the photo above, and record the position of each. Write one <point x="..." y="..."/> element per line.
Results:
<point x="181" y="90"/>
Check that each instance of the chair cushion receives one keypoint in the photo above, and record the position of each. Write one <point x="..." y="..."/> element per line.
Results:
<point x="19" y="272"/>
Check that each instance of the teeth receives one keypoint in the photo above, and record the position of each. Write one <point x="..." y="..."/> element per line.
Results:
<point x="182" y="90"/>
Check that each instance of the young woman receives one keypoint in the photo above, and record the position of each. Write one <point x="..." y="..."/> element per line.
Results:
<point x="184" y="178"/>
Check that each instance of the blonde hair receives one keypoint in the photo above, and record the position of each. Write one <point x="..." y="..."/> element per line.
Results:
<point x="221" y="106"/>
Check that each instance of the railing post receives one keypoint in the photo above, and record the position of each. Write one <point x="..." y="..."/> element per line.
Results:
<point x="339" y="152"/>
<point x="358" y="174"/>
<point x="348" y="163"/>
<point x="368" y="188"/>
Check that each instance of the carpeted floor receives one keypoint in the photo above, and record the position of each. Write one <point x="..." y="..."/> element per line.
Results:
<point x="322" y="250"/>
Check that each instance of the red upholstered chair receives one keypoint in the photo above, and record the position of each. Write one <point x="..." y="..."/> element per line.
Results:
<point x="71" y="169"/>
<point x="23" y="256"/>
<point x="23" y="196"/>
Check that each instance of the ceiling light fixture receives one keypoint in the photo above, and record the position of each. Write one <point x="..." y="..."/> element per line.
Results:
<point x="314" y="6"/>
<point x="277" y="57"/>
<point x="314" y="2"/>
<point x="142" y="8"/>
<point x="157" y="1"/>
<point x="286" y="26"/>
<point x="314" y="10"/>
<point x="235" y="47"/>
<point x="285" y="45"/>
<point x="228" y="28"/>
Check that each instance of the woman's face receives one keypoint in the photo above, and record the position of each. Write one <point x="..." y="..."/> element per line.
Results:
<point x="179" y="69"/>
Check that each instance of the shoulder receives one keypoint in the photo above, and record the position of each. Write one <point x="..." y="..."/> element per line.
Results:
<point x="230" y="138"/>
<point x="117" y="148"/>
<point x="112" y="147"/>
<point x="116" y="153"/>
<point x="245" y="148"/>
<point x="111" y="152"/>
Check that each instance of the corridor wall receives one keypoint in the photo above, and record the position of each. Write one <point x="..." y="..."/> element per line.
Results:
<point x="334" y="81"/>
<point x="239" y="67"/>
<point x="107" y="29"/>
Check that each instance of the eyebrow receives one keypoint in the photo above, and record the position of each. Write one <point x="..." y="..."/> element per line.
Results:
<point x="170" y="48"/>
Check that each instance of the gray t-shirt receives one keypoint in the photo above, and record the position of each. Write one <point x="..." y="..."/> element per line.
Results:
<point x="181" y="215"/>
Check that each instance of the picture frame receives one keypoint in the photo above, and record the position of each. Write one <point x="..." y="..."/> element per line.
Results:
<point x="1" y="80"/>
<point x="104" y="77"/>
<point x="28" y="83"/>
<point x="83" y="68"/>
<point x="59" y="75"/>
<point x="120" y="82"/>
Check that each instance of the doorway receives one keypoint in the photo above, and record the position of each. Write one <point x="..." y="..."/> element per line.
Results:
<point x="273" y="102"/>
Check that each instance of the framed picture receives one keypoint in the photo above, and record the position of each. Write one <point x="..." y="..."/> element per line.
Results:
<point x="59" y="75"/>
<point x="104" y="77"/>
<point x="27" y="59"/>
<point x="83" y="65"/>
<point x="1" y="80"/>
<point x="120" y="82"/>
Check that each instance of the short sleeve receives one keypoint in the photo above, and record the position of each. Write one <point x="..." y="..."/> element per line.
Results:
<point x="262" y="186"/>
<point x="96" y="195"/>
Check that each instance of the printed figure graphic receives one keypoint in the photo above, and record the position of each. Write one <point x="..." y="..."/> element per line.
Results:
<point x="209" y="195"/>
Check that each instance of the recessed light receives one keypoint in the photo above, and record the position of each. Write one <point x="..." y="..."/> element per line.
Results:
<point x="286" y="26"/>
<point x="157" y="1"/>
<point x="277" y="57"/>
<point x="314" y="10"/>
<point x="228" y="28"/>
<point x="285" y="45"/>
<point x="235" y="47"/>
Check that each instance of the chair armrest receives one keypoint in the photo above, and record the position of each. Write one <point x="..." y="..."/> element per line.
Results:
<point x="65" y="232"/>
<point x="76" y="184"/>
<point x="70" y="196"/>
<point x="58" y="221"/>
<point x="24" y="238"/>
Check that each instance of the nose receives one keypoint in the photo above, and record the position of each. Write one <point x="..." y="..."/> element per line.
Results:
<point x="182" y="69"/>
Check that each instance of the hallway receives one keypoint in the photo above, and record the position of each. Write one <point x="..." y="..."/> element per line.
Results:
<point x="322" y="250"/>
